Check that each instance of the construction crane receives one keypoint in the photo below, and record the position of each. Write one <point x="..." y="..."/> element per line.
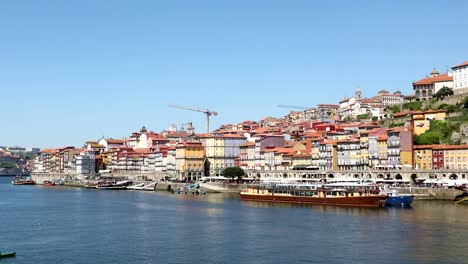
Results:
<point x="294" y="107"/>
<point x="207" y="112"/>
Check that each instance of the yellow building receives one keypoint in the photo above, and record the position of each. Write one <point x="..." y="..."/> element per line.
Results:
<point x="455" y="157"/>
<point x="214" y="147"/>
<point x="421" y="120"/>
<point x="422" y="157"/>
<point x="301" y="160"/>
<point x="364" y="141"/>
<point x="382" y="149"/>
<point x="190" y="160"/>
<point x="406" y="158"/>
<point x="106" y="158"/>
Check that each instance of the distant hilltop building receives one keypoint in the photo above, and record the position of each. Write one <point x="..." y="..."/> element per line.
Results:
<point x="371" y="107"/>
<point x="460" y="78"/>
<point x="425" y="88"/>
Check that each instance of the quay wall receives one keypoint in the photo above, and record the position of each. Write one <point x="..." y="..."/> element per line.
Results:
<point x="78" y="181"/>
<point x="425" y="193"/>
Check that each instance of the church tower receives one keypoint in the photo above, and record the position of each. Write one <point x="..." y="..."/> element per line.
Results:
<point x="358" y="94"/>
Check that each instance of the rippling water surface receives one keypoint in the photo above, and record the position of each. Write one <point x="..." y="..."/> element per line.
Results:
<point x="72" y="225"/>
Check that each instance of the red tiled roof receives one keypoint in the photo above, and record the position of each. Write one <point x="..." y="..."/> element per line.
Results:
<point x="142" y="150"/>
<point x="430" y="111"/>
<point x="246" y="144"/>
<point x="398" y="129"/>
<point x="461" y="65"/>
<point x="115" y="141"/>
<point x="382" y="137"/>
<point x="400" y="114"/>
<point x="189" y="143"/>
<point x="444" y="147"/>
<point x="430" y="80"/>
<point x="50" y="151"/>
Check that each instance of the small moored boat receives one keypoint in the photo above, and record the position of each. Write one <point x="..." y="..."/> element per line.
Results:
<point x="23" y="182"/>
<point x="49" y="183"/>
<point x="462" y="198"/>
<point x="396" y="199"/>
<point x="7" y="254"/>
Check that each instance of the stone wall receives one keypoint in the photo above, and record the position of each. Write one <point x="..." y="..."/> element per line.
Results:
<point x="423" y="193"/>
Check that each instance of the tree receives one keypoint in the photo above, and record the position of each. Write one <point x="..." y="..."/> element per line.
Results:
<point x="427" y="138"/>
<point x="465" y="102"/>
<point x="440" y="132"/>
<point x="8" y="165"/>
<point x="448" y="108"/>
<point x="443" y="92"/>
<point x="233" y="172"/>
<point x="395" y="108"/>
<point x="413" y="106"/>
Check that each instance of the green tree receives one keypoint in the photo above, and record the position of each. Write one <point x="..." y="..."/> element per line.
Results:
<point x="427" y="138"/>
<point x="233" y="172"/>
<point x="8" y="165"/>
<point x="448" y="108"/>
<point x="398" y="124"/>
<point x="465" y="102"/>
<point x="440" y="132"/>
<point x="395" y="108"/>
<point x="363" y="116"/>
<point x="442" y="93"/>
<point x="413" y="106"/>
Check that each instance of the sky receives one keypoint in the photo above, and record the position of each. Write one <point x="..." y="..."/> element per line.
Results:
<point x="73" y="71"/>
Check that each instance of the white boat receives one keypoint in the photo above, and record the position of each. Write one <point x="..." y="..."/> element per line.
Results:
<point x="143" y="187"/>
<point x="136" y="186"/>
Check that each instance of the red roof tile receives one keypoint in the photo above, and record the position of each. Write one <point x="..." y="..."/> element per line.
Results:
<point x="430" y="80"/>
<point x="461" y="65"/>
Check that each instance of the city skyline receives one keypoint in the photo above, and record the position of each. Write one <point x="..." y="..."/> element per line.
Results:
<point x="82" y="70"/>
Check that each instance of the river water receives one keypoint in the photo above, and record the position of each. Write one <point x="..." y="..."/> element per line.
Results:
<point x="73" y="225"/>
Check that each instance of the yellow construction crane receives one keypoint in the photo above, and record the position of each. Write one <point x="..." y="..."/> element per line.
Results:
<point x="207" y="112"/>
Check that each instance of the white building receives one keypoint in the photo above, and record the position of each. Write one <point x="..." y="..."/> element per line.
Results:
<point x="425" y="88"/>
<point x="460" y="78"/>
<point x="111" y="143"/>
<point x="85" y="163"/>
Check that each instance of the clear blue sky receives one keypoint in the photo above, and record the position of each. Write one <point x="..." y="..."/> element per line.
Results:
<point x="72" y="71"/>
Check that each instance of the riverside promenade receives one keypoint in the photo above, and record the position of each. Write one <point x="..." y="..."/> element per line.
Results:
<point x="429" y="193"/>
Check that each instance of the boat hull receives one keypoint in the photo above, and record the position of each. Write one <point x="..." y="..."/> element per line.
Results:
<point x="361" y="201"/>
<point x="23" y="182"/>
<point x="111" y="187"/>
<point x="49" y="183"/>
<point x="400" y="200"/>
<point x="462" y="201"/>
<point x="7" y="254"/>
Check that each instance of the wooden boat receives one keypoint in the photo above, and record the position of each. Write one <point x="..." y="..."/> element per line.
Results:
<point x="110" y="186"/>
<point x="314" y="195"/>
<point x="49" y="183"/>
<point x="462" y="201"/>
<point x="462" y="198"/>
<point x="7" y="254"/>
<point x="23" y="182"/>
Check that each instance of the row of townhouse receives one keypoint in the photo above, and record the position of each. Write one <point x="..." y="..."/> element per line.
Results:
<point x="434" y="157"/>
<point x="66" y="160"/>
<point x="377" y="148"/>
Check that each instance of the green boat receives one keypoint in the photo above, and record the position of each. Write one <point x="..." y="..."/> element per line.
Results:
<point x="7" y="254"/>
